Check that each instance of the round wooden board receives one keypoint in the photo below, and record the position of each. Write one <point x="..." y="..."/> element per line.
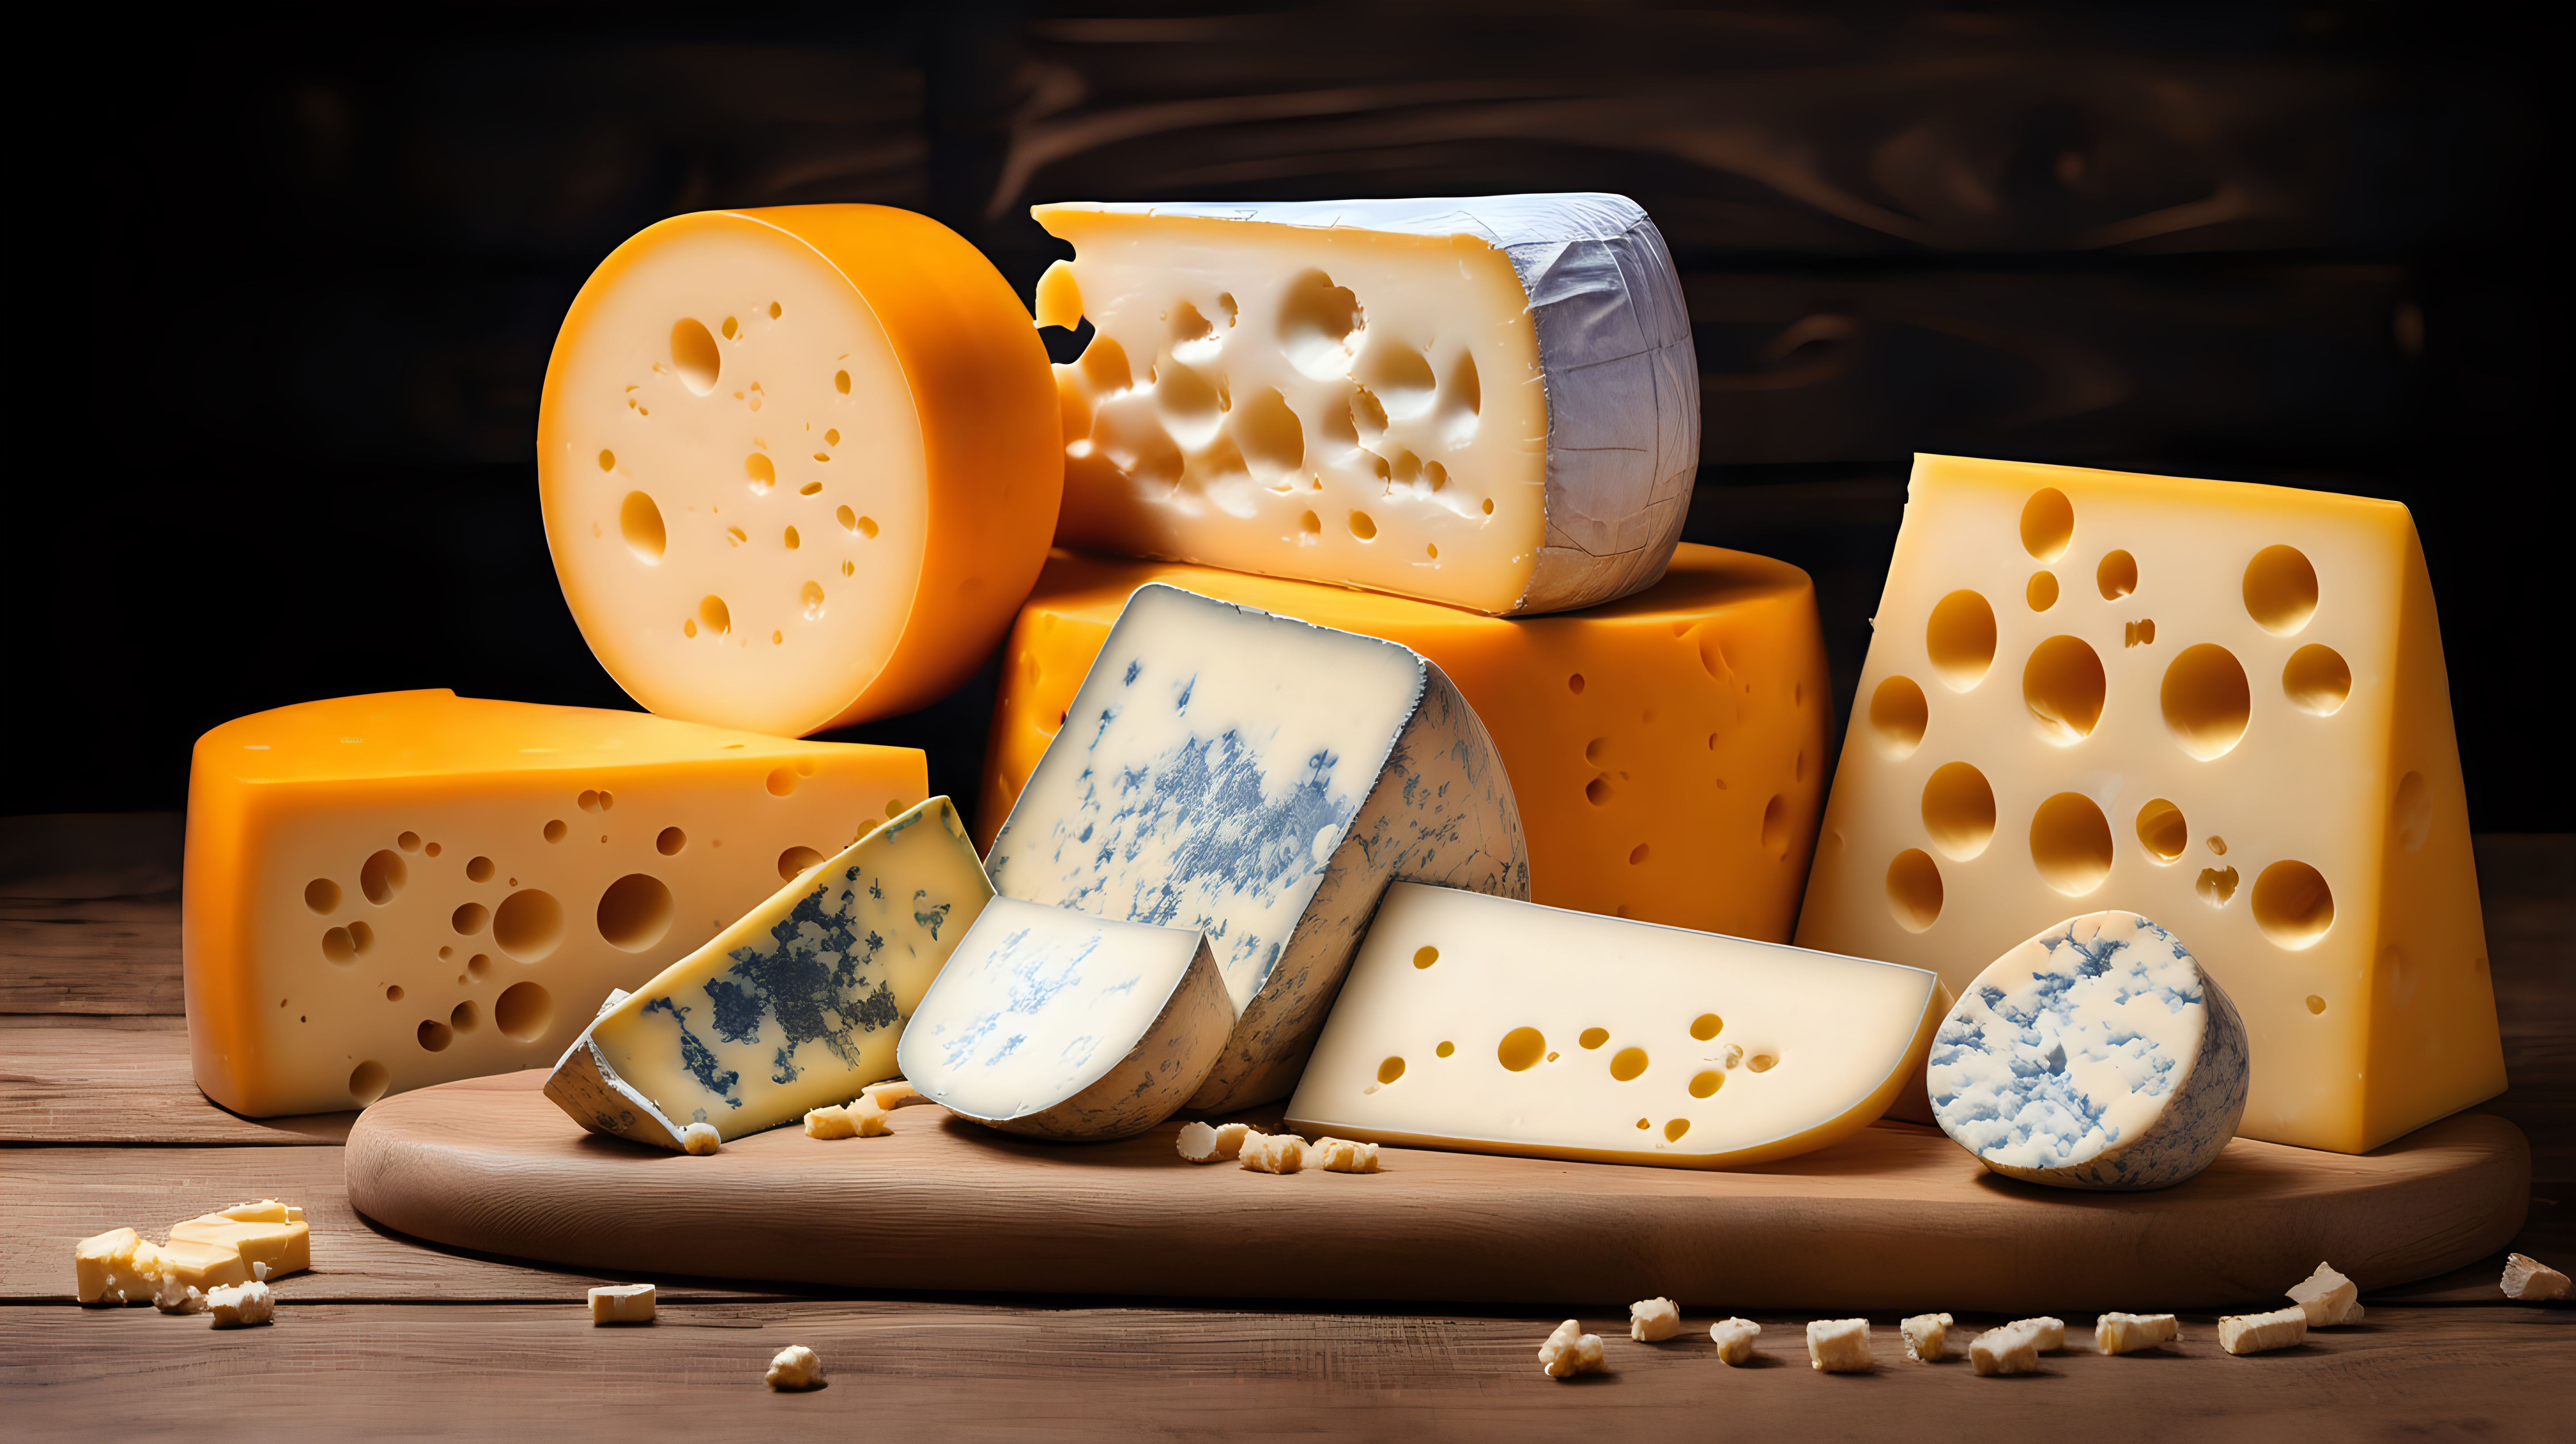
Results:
<point x="1896" y="1218"/>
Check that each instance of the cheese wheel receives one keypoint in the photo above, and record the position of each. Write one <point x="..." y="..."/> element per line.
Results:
<point x="798" y="464"/>
<point x="1667" y="750"/>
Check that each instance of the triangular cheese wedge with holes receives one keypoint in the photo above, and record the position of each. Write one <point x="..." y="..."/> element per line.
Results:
<point x="2218" y="705"/>
<point x="1494" y="1026"/>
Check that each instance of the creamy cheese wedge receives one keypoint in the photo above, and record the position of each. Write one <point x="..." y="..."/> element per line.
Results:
<point x="1494" y="1026"/>
<point x="1260" y="780"/>
<point x="795" y="1006"/>
<point x="1490" y="402"/>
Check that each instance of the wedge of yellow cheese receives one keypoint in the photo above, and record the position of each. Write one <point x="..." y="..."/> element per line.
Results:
<point x="2218" y="705"/>
<point x="389" y="891"/>
<point x="283" y="1247"/>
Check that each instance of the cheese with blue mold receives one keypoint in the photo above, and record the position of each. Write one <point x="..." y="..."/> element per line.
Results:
<point x="1262" y="780"/>
<point x="2099" y="1054"/>
<point x="795" y="1006"/>
<point x="1060" y="1025"/>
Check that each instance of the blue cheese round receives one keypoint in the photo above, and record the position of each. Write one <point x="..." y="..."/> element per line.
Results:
<point x="2099" y="1054"/>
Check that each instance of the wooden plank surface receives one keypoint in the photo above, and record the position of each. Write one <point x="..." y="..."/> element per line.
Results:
<point x="91" y="955"/>
<point x="127" y="1085"/>
<point x="906" y="1370"/>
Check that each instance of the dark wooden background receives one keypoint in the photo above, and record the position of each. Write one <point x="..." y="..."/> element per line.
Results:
<point x="291" y="279"/>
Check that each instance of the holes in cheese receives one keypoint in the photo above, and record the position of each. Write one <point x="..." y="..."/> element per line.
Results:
<point x="722" y="414"/>
<point x="1351" y="361"/>
<point x="2270" y="701"/>
<point x="1662" y="1095"/>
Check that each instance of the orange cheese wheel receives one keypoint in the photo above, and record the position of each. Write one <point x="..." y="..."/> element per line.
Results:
<point x="1667" y="749"/>
<point x="798" y="464"/>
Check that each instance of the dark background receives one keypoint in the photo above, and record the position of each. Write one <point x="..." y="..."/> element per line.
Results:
<point x="290" y="279"/>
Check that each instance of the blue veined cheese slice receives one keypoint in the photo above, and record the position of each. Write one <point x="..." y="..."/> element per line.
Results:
<point x="1059" y="1025"/>
<point x="2099" y="1054"/>
<point x="1261" y="780"/>
<point x="795" y="1006"/>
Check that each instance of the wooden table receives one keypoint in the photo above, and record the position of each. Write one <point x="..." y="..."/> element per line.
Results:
<point x="391" y="1337"/>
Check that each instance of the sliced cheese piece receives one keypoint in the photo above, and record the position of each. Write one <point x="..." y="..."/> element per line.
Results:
<point x="2130" y="1333"/>
<point x="1666" y="750"/>
<point x="269" y="1248"/>
<point x="1488" y="402"/>
<point x="2262" y="1333"/>
<point x="1927" y="1337"/>
<point x="2529" y="1280"/>
<point x="241" y="1306"/>
<point x="389" y="891"/>
<point x="1273" y="1153"/>
<point x="2015" y="1348"/>
<point x="622" y="1304"/>
<point x="2330" y="1299"/>
<point x="1840" y="1346"/>
<point x="2099" y="1054"/>
<point x="2191" y="700"/>
<point x="186" y="1268"/>
<point x="115" y="1268"/>
<point x="798" y="464"/>
<point x="1494" y="1026"/>
<point x="1260" y="780"/>
<point x="1570" y="1351"/>
<point x="1060" y="1025"/>
<point x="1651" y="1321"/>
<point x="791" y="1008"/>
<point x="1734" y="1339"/>
<point x="1343" y="1155"/>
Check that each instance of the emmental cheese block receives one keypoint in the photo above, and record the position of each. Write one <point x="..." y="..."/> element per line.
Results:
<point x="1059" y="1025"/>
<point x="1260" y="780"/>
<point x="1666" y="750"/>
<point x="1489" y="402"/>
<point x="399" y="889"/>
<point x="798" y="464"/>
<point x="1492" y="1026"/>
<point x="795" y="1006"/>
<point x="2221" y="706"/>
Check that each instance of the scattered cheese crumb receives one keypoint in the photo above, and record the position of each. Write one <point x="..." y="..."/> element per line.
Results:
<point x="1651" y="1321"/>
<point x="175" y="1297"/>
<point x="1734" y="1339"/>
<point x="2128" y="1333"/>
<point x="2258" y="1333"/>
<point x="1213" y="1143"/>
<point x="1274" y="1152"/>
<point x="1840" y="1346"/>
<point x="240" y="1306"/>
<point x="2528" y="1279"/>
<point x="1341" y="1155"/>
<point x="1570" y="1351"/>
<point x="861" y="1118"/>
<point x="622" y="1304"/>
<point x="893" y="1094"/>
<point x="2015" y="1348"/>
<point x="1927" y="1337"/>
<point x="701" y="1139"/>
<point x="795" y="1367"/>
<point x="2328" y="1297"/>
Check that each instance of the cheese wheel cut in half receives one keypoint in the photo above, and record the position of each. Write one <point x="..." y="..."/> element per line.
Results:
<point x="799" y="465"/>
<point x="1488" y="402"/>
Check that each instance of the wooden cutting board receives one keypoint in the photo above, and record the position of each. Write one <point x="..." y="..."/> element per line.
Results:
<point x="1896" y="1218"/>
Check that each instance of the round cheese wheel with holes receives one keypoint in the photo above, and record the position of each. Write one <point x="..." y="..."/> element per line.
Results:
<point x="799" y="465"/>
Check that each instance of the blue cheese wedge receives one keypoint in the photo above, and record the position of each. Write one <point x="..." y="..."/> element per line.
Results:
<point x="1058" y="1025"/>
<point x="2099" y="1055"/>
<point x="794" y="1007"/>
<point x="1260" y="780"/>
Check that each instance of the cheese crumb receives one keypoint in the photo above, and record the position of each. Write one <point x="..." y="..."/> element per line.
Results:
<point x="622" y="1304"/>
<point x="2015" y="1348"/>
<point x="701" y="1139"/>
<point x="1274" y="1152"/>
<point x="2528" y="1279"/>
<point x="795" y="1367"/>
<point x="859" y="1118"/>
<point x="1570" y="1351"/>
<point x="2258" y="1333"/>
<point x="1734" y="1339"/>
<point x="2129" y="1333"/>
<point x="175" y="1297"/>
<point x="1927" y="1337"/>
<point x="1341" y="1155"/>
<point x="1213" y="1143"/>
<point x="2328" y="1297"/>
<point x="240" y="1306"/>
<point x="1651" y="1321"/>
<point x="115" y="1268"/>
<point x="1840" y="1346"/>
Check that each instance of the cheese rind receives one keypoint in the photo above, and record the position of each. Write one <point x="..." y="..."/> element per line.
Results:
<point x="1059" y="1025"/>
<point x="2099" y="1055"/>
<point x="2262" y="1333"/>
<point x="2130" y="1333"/>
<point x="1666" y="749"/>
<point x="1840" y="1346"/>
<point x="794" y="1006"/>
<point x="406" y="888"/>
<point x="1489" y="402"/>
<point x="798" y="464"/>
<point x="2273" y="760"/>
<point x="1261" y="780"/>
<point x="1464" y="1025"/>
